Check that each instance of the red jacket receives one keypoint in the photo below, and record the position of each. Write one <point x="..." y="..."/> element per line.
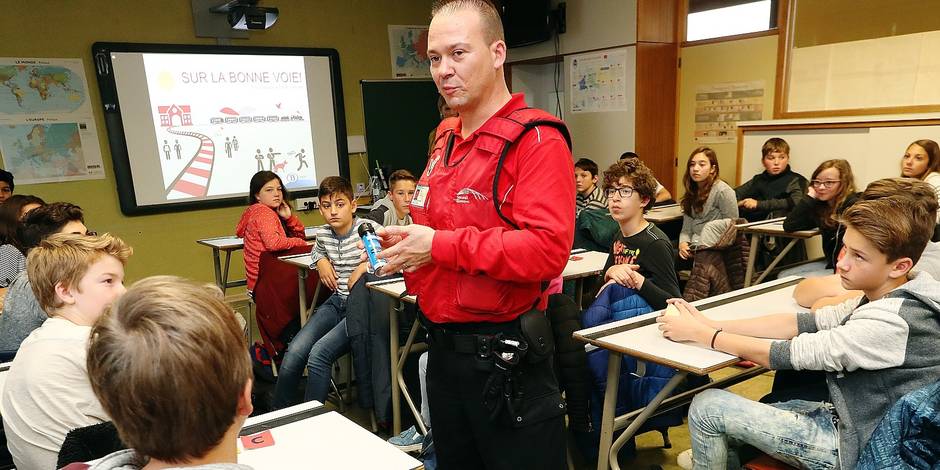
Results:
<point x="482" y="269"/>
<point x="261" y="228"/>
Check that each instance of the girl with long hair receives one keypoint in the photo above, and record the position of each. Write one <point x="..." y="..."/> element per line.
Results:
<point x="268" y="223"/>
<point x="709" y="205"/>
<point x="831" y="191"/>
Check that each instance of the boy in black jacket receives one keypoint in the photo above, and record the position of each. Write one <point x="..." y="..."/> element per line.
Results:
<point x="774" y="192"/>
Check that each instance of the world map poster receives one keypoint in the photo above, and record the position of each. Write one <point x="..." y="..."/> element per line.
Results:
<point x="47" y="130"/>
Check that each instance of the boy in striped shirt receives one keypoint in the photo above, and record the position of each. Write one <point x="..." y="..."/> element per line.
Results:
<point x="323" y="339"/>
<point x="590" y="195"/>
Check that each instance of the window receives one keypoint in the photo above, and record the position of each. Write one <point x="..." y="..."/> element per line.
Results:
<point x="709" y="19"/>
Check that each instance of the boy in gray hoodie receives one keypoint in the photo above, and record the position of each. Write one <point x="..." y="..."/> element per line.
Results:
<point x="395" y="208"/>
<point x="874" y="349"/>
<point x="168" y="364"/>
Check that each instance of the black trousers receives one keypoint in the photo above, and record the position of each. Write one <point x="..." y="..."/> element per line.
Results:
<point x="464" y="435"/>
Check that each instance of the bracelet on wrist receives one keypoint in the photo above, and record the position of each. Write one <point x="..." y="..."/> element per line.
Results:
<point x="714" y="337"/>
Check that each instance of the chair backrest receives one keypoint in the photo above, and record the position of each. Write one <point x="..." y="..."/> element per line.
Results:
<point x="276" y="298"/>
<point x="89" y="443"/>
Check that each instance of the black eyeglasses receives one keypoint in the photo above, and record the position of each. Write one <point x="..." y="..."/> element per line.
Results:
<point x="824" y="184"/>
<point x="624" y="192"/>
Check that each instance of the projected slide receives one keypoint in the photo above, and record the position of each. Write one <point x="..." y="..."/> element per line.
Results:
<point x="219" y="119"/>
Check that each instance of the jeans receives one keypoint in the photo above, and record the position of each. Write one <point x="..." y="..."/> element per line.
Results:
<point x="317" y="346"/>
<point x="813" y="269"/>
<point x="422" y="377"/>
<point x="799" y="433"/>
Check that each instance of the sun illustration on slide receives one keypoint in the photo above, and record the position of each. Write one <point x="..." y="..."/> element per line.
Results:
<point x="165" y="80"/>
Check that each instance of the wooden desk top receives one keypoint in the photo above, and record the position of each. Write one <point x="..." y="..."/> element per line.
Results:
<point x="667" y="213"/>
<point x="231" y="243"/>
<point x="775" y="227"/>
<point x="640" y="337"/>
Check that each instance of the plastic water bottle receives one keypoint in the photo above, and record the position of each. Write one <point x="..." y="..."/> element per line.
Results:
<point x="372" y="246"/>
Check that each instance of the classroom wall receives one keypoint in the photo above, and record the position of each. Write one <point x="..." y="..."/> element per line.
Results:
<point x="590" y="25"/>
<point x="165" y="244"/>
<point x="730" y="61"/>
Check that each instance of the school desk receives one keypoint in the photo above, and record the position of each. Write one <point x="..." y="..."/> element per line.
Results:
<point x="309" y="435"/>
<point x="640" y="337"/>
<point x="228" y="245"/>
<point x="769" y="228"/>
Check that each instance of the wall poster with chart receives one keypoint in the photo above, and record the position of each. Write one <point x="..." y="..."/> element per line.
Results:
<point x="719" y="107"/>
<point x="598" y="81"/>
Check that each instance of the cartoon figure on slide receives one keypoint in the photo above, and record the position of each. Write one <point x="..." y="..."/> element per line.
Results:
<point x="235" y="143"/>
<point x="228" y="148"/>
<point x="271" y="155"/>
<point x="260" y="159"/>
<point x="166" y="149"/>
<point x="178" y="148"/>
<point x="301" y="160"/>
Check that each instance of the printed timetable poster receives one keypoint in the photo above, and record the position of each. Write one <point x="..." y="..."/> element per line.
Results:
<point x="720" y="106"/>
<point x="47" y="129"/>
<point x="598" y="81"/>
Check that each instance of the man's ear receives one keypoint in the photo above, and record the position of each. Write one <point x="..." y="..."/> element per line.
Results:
<point x="64" y="293"/>
<point x="498" y="51"/>
<point x="245" y="408"/>
<point x="900" y="267"/>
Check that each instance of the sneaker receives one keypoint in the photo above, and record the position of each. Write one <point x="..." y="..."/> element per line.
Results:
<point x="684" y="459"/>
<point x="409" y="440"/>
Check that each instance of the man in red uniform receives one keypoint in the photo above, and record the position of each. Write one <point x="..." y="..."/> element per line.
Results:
<point x="478" y="271"/>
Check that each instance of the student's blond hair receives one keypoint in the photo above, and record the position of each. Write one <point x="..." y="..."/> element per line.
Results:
<point x="64" y="258"/>
<point x="898" y="226"/>
<point x="168" y="363"/>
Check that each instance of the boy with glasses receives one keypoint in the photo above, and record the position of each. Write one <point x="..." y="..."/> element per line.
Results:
<point x="641" y="257"/>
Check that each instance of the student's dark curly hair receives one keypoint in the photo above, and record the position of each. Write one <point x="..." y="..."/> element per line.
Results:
<point x="638" y="176"/>
<point x="46" y="220"/>
<point x="10" y="217"/>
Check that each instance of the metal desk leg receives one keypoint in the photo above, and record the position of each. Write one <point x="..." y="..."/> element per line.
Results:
<point x="751" y="258"/>
<point x="393" y="355"/>
<point x="648" y="411"/>
<point x="777" y="260"/>
<point x="228" y="259"/>
<point x="398" y="376"/>
<point x="610" y="408"/>
<point x="302" y="295"/>
<point x="578" y="290"/>
<point x="217" y="265"/>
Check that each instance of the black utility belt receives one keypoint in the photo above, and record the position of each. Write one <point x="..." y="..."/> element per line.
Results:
<point x="529" y="335"/>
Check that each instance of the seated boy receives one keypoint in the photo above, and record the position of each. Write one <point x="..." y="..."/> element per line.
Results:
<point x="662" y="194"/>
<point x="774" y="192"/>
<point x="167" y="327"/>
<point x="323" y="338"/>
<point x="589" y="195"/>
<point x="874" y="349"/>
<point x="47" y="393"/>
<point x="827" y="290"/>
<point x="21" y="312"/>
<point x="641" y="257"/>
<point x="395" y="208"/>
